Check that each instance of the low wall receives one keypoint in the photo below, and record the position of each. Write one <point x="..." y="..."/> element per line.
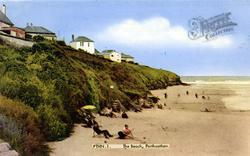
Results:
<point x="16" y="41"/>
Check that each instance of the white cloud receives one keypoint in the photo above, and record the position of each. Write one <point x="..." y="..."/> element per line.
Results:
<point x="156" y="31"/>
<point x="221" y="42"/>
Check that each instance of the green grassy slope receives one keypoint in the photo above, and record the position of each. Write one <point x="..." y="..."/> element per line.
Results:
<point x="56" y="80"/>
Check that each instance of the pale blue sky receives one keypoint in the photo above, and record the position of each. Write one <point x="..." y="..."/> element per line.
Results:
<point x="154" y="31"/>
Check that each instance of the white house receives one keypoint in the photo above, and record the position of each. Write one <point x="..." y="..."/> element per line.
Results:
<point x="112" y="55"/>
<point x="83" y="43"/>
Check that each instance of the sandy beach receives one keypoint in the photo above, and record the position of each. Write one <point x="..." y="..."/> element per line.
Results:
<point x="182" y="124"/>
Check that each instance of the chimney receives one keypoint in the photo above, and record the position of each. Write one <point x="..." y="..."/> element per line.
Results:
<point x="73" y="37"/>
<point x="4" y="9"/>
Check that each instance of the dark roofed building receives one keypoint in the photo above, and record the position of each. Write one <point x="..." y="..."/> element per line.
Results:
<point x="32" y="31"/>
<point x="7" y="27"/>
<point x="127" y="58"/>
<point x="82" y="39"/>
<point x="108" y="51"/>
<point x="4" y="20"/>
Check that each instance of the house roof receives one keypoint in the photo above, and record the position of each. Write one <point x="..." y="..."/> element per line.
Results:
<point x="5" y="19"/>
<point x="82" y="39"/>
<point x="38" y="30"/>
<point x="126" y="56"/>
<point x="108" y="51"/>
<point x="10" y="28"/>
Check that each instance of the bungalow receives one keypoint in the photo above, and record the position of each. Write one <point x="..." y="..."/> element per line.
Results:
<point x="83" y="43"/>
<point x="112" y="55"/>
<point x="32" y="31"/>
<point x="127" y="58"/>
<point x="7" y="27"/>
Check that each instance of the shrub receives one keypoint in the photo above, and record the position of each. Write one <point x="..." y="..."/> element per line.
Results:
<point x="10" y="130"/>
<point x="21" y="128"/>
<point x="27" y="93"/>
<point x="54" y="128"/>
<point x="38" y="38"/>
<point x="41" y="47"/>
<point x="62" y="43"/>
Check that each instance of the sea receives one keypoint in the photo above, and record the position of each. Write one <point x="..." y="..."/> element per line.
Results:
<point x="216" y="79"/>
<point x="240" y="85"/>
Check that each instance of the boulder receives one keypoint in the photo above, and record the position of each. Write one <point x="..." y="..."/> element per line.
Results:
<point x="5" y="150"/>
<point x="146" y="105"/>
<point x="9" y="153"/>
<point x="4" y="147"/>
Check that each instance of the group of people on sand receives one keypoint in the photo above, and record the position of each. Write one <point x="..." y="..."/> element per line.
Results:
<point x="187" y="93"/>
<point x="124" y="134"/>
<point x="89" y="122"/>
<point x="108" y="112"/>
<point x="203" y="96"/>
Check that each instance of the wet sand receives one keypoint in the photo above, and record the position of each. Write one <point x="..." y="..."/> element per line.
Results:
<point x="181" y="124"/>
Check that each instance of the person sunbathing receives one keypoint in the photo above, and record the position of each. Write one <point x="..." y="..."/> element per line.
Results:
<point x="97" y="130"/>
<point x="126" y="133"/>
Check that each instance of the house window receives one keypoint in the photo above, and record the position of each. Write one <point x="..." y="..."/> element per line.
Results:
<point x="81" y="43"/>
<point x="12" y="33"/>
<point x="88" y="44"/>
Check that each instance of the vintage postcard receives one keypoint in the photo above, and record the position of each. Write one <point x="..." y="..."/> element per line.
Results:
<point x="124" y="77"/>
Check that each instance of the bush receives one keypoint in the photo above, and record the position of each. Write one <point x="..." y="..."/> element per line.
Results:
<point x="10" y="130"/>
<point x="30" y="95"/>
<point x="54" y="128"/>
<point x="62" y="43"/>
<point x="27" y="93"/>
<point x="38" y="38"/>
<point x="20" y="127"/>
<point x="41" y="47"/>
